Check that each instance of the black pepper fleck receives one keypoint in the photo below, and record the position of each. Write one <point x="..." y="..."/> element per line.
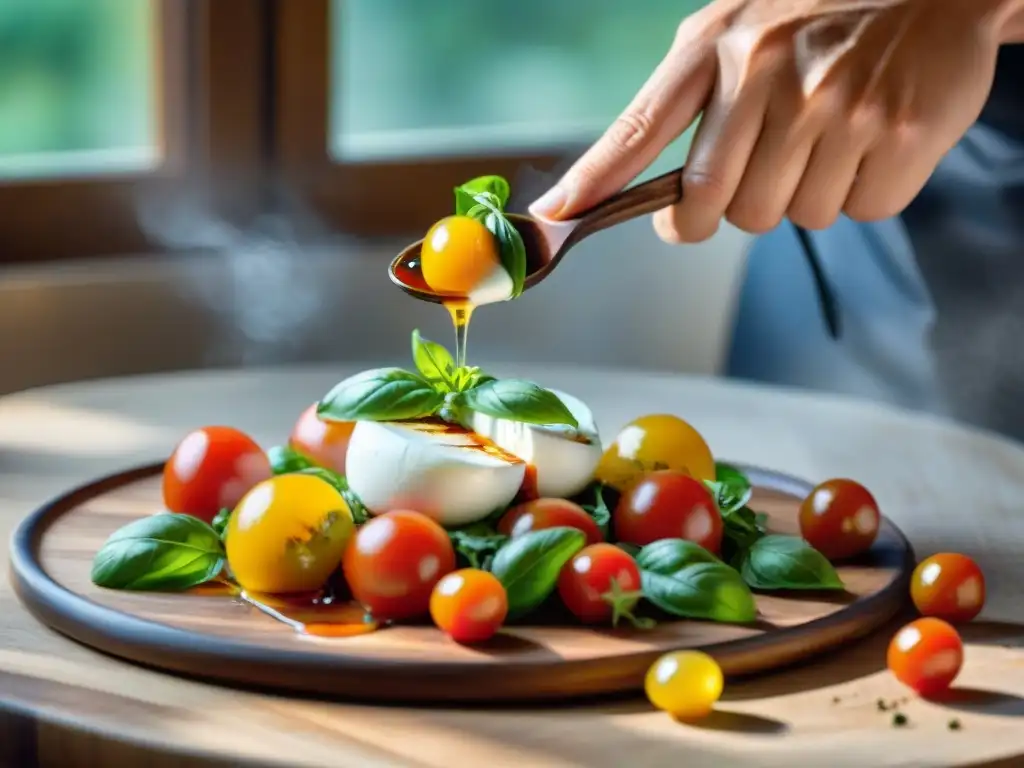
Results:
<point x="954" y="725"/>
<point x="882" y="706"/>
<point x="899" y="720"/>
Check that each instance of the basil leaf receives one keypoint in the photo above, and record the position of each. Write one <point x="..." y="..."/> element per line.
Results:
<point x="167" y="551"/>
<point x="284" y="460"/>
<point x="528" y="565"/>
<point x="701" y="591"/>
<point x="592" y="500"/>
<point x="493" y="188"/>
<point x="477" y="544"/>
<point x="671" y="555"/>
<point x="512" y="249"/>
<point x="433" y="361"/>
<point x="381" y="394"/>
<point x="731" y="488"/>
<point x="359" y="512"/>
<point x="788" y="562"/>
<point x="220" y="523"/>
<point x="518" y="400"/>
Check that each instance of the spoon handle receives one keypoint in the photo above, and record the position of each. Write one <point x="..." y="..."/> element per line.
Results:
<point x="651" y="196"/>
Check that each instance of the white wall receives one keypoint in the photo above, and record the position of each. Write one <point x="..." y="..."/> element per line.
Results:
<point x="621" y="299"/>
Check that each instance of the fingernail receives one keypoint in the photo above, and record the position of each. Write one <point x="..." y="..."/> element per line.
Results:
<point x="550" y="203"/>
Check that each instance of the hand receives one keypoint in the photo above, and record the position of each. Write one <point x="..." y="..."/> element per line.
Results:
<point x="810" y="108"/>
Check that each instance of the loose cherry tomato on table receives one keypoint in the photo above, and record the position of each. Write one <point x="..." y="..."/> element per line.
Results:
<point x="394" y="561"/>
<point x="926" y="655"/>
<point x="287" y="535"/>
<point x="668" y="505"/>
<point x="653" y="442"/>
<point x="600" y="584"/>
<point x="549" y="513"/>
<point x="686" y="684"/>
<point x="323" y="441"/>
<point x="210" y="469"/>
<point x="948" y="586"/>
<point x="839" y="518"/>
<point x="469" y="605"/>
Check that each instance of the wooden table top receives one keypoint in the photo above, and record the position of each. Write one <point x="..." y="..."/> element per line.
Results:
<point x="948" y="488"/>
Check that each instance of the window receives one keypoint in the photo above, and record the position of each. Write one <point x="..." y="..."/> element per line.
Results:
<point x="420" y="96"/>
<point x="361" y="108"/>
<point x="107" y="101"/>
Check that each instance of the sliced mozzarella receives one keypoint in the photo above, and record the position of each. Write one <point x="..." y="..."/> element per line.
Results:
<point x="430" y="467"/>
<point x="564" y="458"/>
<point x="497" y="286"/>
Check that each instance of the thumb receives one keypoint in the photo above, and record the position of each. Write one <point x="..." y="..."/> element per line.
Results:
<point x="665" y="107"/>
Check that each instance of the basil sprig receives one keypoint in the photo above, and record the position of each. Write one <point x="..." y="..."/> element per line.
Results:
<point x="528" y="565"/>
<point x="766" y="562"/>
<point x="164" y="552"/>
<point x="439" y="388"/>
<point x="484" y="199"/>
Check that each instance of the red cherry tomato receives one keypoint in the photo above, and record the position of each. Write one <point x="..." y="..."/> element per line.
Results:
<point x="599" y="584"/>
<point x="394" y="561"/>
<point x="210" y="469"/>
<point x="668" y="505"/>
<point x="948" y="586"/>
<point x="926" y="655"/>
<point x="548" y="513"/>
<point x="325" y="442"/>
<point x="469" y="605"/>
<point x="839" y="518"/>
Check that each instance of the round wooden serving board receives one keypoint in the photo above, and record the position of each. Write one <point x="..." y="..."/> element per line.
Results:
<point x="223" y="639"/>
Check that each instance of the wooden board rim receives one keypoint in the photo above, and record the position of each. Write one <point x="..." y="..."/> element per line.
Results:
<point x="169" y="649"/>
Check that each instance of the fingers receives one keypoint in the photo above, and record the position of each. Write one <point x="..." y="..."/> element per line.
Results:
<point x="833" y="168"/>
<point x="721" y="149"/>
<point x="665" y="107"/>
<point x="879" y="192"/>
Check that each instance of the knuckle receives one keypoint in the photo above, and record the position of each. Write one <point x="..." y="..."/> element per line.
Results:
<point x="860" y="208"/>
<point x="630" y="130"/>
<point x="706" y="187"/>
<point x="811" y="215"/>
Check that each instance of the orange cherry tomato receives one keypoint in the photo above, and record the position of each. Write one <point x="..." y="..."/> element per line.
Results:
<point x="469" y="605"/>
<point x="926" y="655"/>
<point x="210" y="469"/>
<point x="948" y="586"/>
<point x="548" y="513"/>
<point x="458" y="254"/>
<point x="840" y="518"/>
<point x="600" y="583"/>
<point x="325" y="442"/>
<point x="668" y="505"/>
<point x="394" y="561"/>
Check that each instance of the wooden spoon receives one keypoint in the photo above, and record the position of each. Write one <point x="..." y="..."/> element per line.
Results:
<point x="548" y="241"/>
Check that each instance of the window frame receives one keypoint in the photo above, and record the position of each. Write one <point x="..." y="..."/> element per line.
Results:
<point x="210" y="116"/>
<point x="364" y="198"/>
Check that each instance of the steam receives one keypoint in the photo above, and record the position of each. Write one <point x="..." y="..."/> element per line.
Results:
<point x="259" y="279"/>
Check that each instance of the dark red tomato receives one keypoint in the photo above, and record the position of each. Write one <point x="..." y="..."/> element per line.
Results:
<point x="926" y="655"/>
<point x="668" y="505"/>
<point x="839" y="518"/>
<point x="948" y="586"/>
<point x="210" y="469"/>
<point x="548" y="513"/>
<point x="393" y="562"/>
<point x="600" y="584"/>
<point x="469" y="605"/>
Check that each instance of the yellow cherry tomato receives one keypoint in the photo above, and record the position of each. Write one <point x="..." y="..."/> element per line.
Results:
<point x="657" y="441"/>
<point x="288" y="534"/>
<point x="458" y="254"/>
<point x="686" y="684"/>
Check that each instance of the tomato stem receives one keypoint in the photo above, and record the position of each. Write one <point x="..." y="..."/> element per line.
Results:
<point x="622" y="604"/>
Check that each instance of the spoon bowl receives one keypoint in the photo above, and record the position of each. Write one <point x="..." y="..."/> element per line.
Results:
<point x="547" y="241"/>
